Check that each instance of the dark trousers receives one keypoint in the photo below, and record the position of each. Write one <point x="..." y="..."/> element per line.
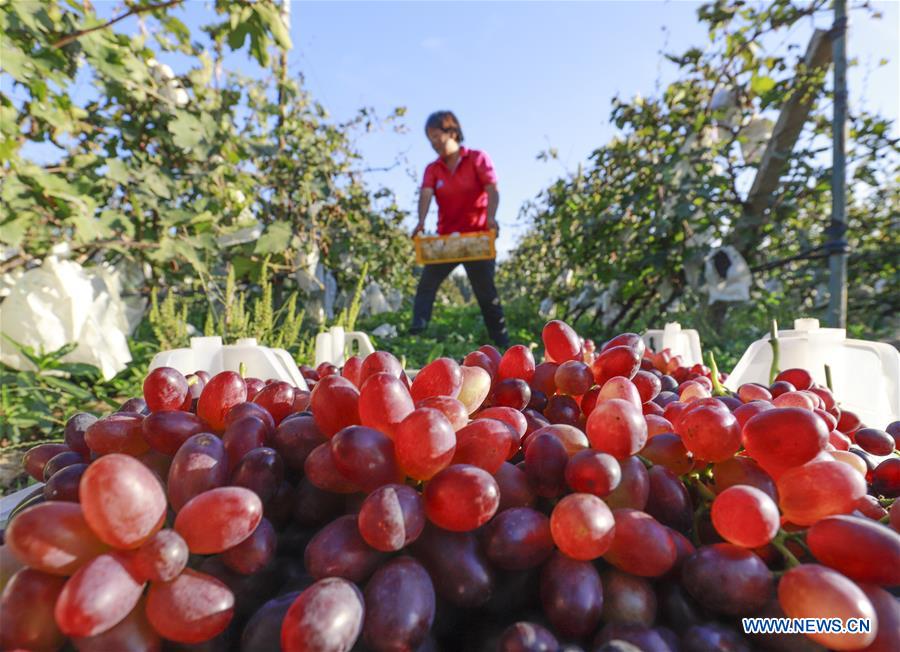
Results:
<point x="481" y="276"/>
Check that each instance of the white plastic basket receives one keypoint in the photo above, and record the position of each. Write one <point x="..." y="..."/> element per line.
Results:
<point x="865" y="375"/>
<point x="210" y="355"/>
<point x="334" y="344"/>
<point x="680" y="341"/>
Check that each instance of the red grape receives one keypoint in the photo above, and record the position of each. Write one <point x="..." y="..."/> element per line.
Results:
<point x="515" y="491"/>
<point x="745" y="516"/>
<point x="165" y="389"/>
<point x="593" y="472"/>
<point x="335" y="404"/>
<point x="813" y="591"/>
<point x="218" y="519"/>
<point x="484" y="443"/>
<point x="634" y="487"/>
<point x="517" y="362"/>
<point x="457" y="413"/>
<point x="582" y="526"/>
<point x="321" y="471"/>
<point x="295" y="439"/>
<point x="456" y="563"/>
<point x="617" y="427"/>
<point x="221" y="393"/>
<point x="277" y="399"/>
<point x="627" y="599"/>
<point x="63" y="485"/>
<point x="161" y="558"/>
<point x="391" y="517"/>
<point x="38" y="456"/>
<point x="192" y="608"/>
<point x="76" y="426"/>
<point x="818" y="489"/>
<point x="400" y="606"/>
<point x="527" y="637"/>
<point x="518" y="539"/>
<point x="461" y="497"/>
<point x="512" y="392"/>
<point x="545" y="464"/>
<point x="862" y="550"/>
<point x="641" y="545"/>
<point x="165" y="431"/>
<point x="364" y="456"/>
<point x="615" y="361"/>
<point x="53" y="537"/>
<point x="338" y="550"/>
<point x="384" y="402"/>
<point x="253" y="553"/>
<point x="782" y="438"/>
<point x="117" y="433"/>
<point x="572" y="595"/>
<point x="710" y="433"/>
<point x="326" y="616"/>
<point x="668" y="450"/>
<point x="561" y="342"/>
<point x="26" y="611"/>
<point x="123" y="501"/>
<point x="574" y="378"/>
<point x="727" y="579"/>
<point x="886" y="478"/>
<point x="379" y="362"/>
<point x="874" y="441"/>
<point x="97" y="597"/>
<point x="441" y="377"/>
<point x="424" y="443"/>
<point x="475" y="388"/>
<point x="199" y="465"/>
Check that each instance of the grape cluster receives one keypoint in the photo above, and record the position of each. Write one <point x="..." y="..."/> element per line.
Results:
<point x="604" y="498"/>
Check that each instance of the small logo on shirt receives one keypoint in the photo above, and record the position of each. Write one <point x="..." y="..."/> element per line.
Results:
<point x="439" y="184"/>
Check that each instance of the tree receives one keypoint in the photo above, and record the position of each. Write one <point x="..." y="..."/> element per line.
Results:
<point x="623" y="242"/>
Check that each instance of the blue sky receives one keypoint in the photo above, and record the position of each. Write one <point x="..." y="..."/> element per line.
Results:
<point x="522" y="76"/>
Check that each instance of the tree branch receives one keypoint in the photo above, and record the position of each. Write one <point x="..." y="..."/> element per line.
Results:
<point x="74" y="36"/>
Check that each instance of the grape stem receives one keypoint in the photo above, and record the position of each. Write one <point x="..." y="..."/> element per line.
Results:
<point x="773" y="341"/>
<point x="647" y="463"/>
<point x="193" y="380"/>
<point x="886" y="502"/>
<point x="789" y="559"/>
<point x="242" y="369"/>
<point x="718" y="389"/>
<point x="828" y="378"/>
<point x="702" y="489"/>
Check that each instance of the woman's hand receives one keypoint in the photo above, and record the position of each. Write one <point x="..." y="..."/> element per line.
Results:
<point x="494" y="226"/>
<point x="419" y="228"/>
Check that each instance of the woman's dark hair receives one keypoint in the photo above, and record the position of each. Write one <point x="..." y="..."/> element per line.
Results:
<point x="445" y="121"/>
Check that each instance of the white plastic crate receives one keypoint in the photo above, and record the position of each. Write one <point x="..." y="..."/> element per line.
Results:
<point x="680" y="341"/>
<point x="865" y="375"/>
<point x="210" y="355"/>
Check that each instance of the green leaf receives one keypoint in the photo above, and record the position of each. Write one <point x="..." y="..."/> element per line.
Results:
<point x="186" y="130"/>
<point x="117" y="170"/>
<point x="275" y="239"/>
<point x="237" y="36"/>
<point x="761" y="84"/>
<point x="272" y="18"/>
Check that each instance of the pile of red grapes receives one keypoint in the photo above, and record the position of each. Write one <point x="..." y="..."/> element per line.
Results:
<point x="601" y="499"/>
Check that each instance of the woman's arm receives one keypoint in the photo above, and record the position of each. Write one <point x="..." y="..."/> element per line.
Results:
<point x="425" y="195"/>
<point x="493" y="203"/>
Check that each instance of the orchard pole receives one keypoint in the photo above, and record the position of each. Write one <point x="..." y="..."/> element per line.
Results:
<point x="837" y="245"/>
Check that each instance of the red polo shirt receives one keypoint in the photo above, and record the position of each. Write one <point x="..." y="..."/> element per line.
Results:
<point x="461" y="198"/>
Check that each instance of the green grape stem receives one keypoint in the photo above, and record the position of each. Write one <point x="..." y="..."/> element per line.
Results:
<point x="779" y="542"/>
<point x="828" y="378"/>
<point x="773" y="341"/>
<point x="718" y="389"/>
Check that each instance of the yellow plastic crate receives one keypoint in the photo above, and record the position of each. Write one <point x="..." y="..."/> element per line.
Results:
<point x="455" y="248"/>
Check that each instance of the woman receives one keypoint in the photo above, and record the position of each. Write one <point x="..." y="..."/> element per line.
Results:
<point x="464" y="184"/>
